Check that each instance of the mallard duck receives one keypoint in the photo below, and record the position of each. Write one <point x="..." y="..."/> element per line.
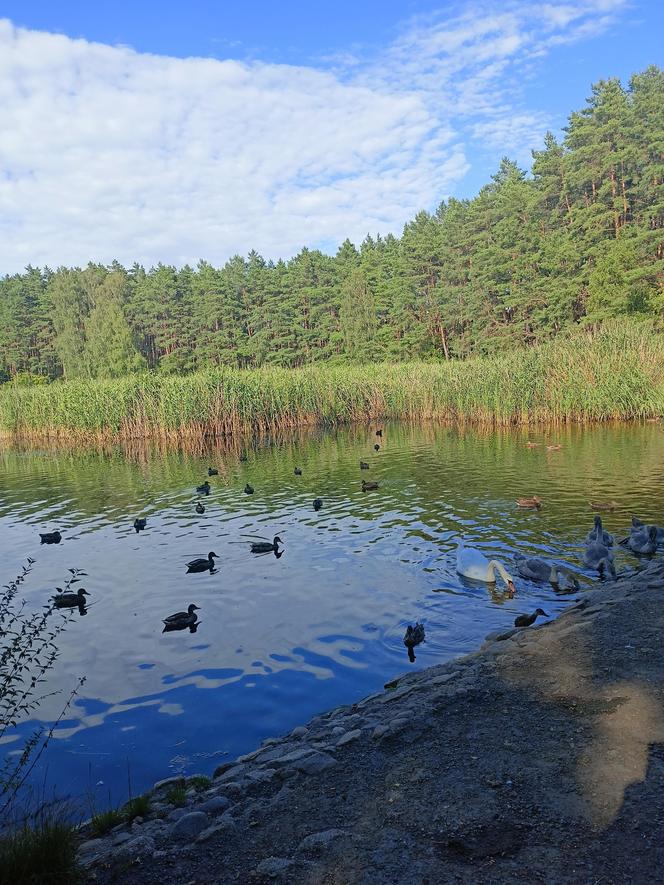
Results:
<point x="597" y="533"/>
<point x="200" y="508"/>
<point x="139" y="524"/>
<point x="554" y="448"/>
<point x="527" y="620"/>
<point x="473" y="564"/>
<point x="532" y="445"/>
<point x="414" y="635"/>
<point x="69" y="600"/>
<point x="379" y="432"/>
<point x="248" y="490"/>
<point x="266" y="546"/>
<point x="643" y="543"/>
<point x="50" y="537"/>
<point x="369" y="486"/>
<point x="376" y="447"/>
<point x="318" y="503"/>
<point x="203" y="489"/>
<point x="181" y="619"/>
<point x="604" y="505"/>
<point x="536" y="569"/>
<point x="202" y="565"/>
<point x="212" y="471"/>
<point x="298" y="471"/>
<point x="243" y="457"/>
<point x="534" y="503"/>
<point x="598" y="556"/>
<point x="364" y="465"/>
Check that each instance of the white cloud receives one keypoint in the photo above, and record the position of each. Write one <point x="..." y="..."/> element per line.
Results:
<point x="110" y="153"/>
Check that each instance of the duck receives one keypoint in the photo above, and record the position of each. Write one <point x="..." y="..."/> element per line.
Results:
<point x="200" y="508"/>
<point x="202" y="565"/>
<point x="182" y="619"/>
<point x="379" y="432"/>
<point x="203" y="489"/>
<point x="243" y="457"/>
<point x="364" y="465"/>
<point x="318" y="503"/>
<point x="298" y="471"/>
<point x="69" y="600"/>
<point x="212" y="471"/>
<point x="139" y="524"/>
<point x="532" y="445"/>
<point x="604" y="505"/>
<point x="266" y="546"/>
<point x="414" y="635"/>
<point x="527" y="620"/>
<point x="536" y="569"/>
<point x="376" y="447"/>
<point x="369" y="486"/>
<point x="248" y="490"/>
<point x="473" y="564"/>
<point x="554" y="448"/>
<point x="50" y="537"/>
<point x="597" y="533"/>
<point x="643" y="543"/>
<point x="533" y="503"/>
<point x="598" y="556"/>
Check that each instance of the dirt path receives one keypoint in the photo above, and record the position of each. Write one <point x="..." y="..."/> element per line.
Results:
<point x="538" y="759"/>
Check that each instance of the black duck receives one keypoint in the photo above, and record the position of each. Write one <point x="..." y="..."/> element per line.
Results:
<point x="318" y="503"/>
<point x="248" y="490"/>
<point x="379" y="433"/>
<point x="298" y="471"/>
<point x="202" y="565"/>
<point x="212" y="471"/>
<point x="139" y="524"/>
<point x="70" y="600"/>
<point x="266" y="546"/>
<point x="203" y="489"/>
<point x="364" y="465"/>
<point x="527" y="620"/>
<point x="50" y="537"/>
<point x="180" y="620"/>
<point x="200" y="508"/>
<point x="369" y="486"/>
<point x="376" y="447"/>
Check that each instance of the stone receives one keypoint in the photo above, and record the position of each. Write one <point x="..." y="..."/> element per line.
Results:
<point x="224" y="767"/>
<point x="445" y="677"/>
<point x="224" y="825"/>
<point x="168" y="782"/>
<point x="231" y="774"/>
<point x="656" y="585"/>
<point x="349" y="737"/>
<point x="299" y="732"/>
<point x="91" y="846"/>
<point x="248" y="756"/>
<point x="380" y="731"/>
<point x="263" y="776"/>
<point x="273" y="866"/>
<point x="139" y="845"/>
<point x="337" y="731"/>
<point x="119" y="838"/>
<point x="316" y="843"/>
<point x="177" y="813"/>
<point x="215" y="805"/>
<point x="314" y="764"/>
<point x="189" y="826"/>
<point x="294" y="756"/>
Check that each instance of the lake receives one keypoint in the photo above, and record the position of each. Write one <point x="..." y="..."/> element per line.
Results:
<point x="281" y="639"/>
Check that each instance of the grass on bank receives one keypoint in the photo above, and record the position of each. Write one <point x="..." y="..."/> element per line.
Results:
<point x="616" y="374"/>
<point x="43" y="855"/>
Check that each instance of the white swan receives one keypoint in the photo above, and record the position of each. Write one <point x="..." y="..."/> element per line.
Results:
<point x="598" y="556"/>
<point x="540" y="570"/>
<point x="473" y="564"/>
<point x="597" y="533"/>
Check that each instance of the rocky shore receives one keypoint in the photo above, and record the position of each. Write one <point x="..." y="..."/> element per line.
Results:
<point x="539" y="758"/>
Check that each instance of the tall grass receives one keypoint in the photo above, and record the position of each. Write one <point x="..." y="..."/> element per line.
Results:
<point x="617" y="374"/>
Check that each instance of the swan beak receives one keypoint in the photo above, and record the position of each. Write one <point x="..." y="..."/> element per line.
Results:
<point x="511" y="588"/>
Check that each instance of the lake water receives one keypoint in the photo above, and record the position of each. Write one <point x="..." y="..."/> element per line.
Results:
<point x="282" y="639"/>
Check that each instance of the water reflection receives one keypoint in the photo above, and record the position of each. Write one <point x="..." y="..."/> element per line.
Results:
<point x="327" y="625"/>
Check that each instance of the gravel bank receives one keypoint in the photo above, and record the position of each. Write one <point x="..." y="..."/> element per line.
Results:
<point x="539" y="758"/>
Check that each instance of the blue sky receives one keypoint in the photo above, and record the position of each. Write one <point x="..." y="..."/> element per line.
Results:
<point x="173" y="131"/>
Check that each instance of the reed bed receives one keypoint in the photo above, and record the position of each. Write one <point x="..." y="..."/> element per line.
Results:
<point x="617" y="374"/>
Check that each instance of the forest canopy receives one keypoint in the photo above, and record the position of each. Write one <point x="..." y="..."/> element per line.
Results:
<point x="577" y="241"/>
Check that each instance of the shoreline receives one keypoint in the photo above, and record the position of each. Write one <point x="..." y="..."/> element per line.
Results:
<point x="514" y="762"/>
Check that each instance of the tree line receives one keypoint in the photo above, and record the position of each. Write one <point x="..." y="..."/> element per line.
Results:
<point x="578" y="240"/>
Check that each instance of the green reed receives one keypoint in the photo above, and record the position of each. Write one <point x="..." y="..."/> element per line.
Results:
<point x="615" y="374"/>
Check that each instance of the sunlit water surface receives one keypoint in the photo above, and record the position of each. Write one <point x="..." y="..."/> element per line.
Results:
<point x="282" y="639"/>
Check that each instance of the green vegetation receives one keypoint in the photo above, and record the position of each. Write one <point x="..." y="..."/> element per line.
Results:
<point x="40" y="855"/>
<point x="616" y="373"/>
<point x="177" y="795"/>
<point x="199" y="782"/>
<point x="529" y="258"/>
<point x="139" y="806"/>
<point x="105" y="821"/>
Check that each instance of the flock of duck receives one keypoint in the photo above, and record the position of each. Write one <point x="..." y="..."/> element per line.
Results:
<point x="643" y="540"/>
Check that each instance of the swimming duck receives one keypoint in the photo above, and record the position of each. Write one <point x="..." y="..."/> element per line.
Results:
<point x="643" y="543"/>
<point x="597" y="533"/>
<point x="604" y="505"/>
<point x="473" y="564"/>
<point x="243" y="457"/>
<point x="364" y="465"/>
<point x="69" y="600"/>
<point x="318" y="503"/>
<point x="203" y="489"/>
<point x="554" y="448"/>
<point x="181" y="619"/>
<point x="534" y="503"/>
<point x="50" y="537"/>
<point x="369" y="486"/>
<point x="376" y="447"/>
<point x="298" y="471"/>
<point x="265" y="546"/>
<point x="379" y="432"/>
<point x="414" y="635"/>
<point x="598" y="556"/>
<point x="540" y="570"/>
<point x="527" y="620"/>
<point x="139" y="524"/>
<point x="532" y="445"/>
<point x="248" y="490"/>
<point x="200" y="508"/>
<point x="202" y="565"/>
<point x="212" y="471"/>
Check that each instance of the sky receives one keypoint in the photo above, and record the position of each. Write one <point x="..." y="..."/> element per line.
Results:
<point x="178" y="131"/>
